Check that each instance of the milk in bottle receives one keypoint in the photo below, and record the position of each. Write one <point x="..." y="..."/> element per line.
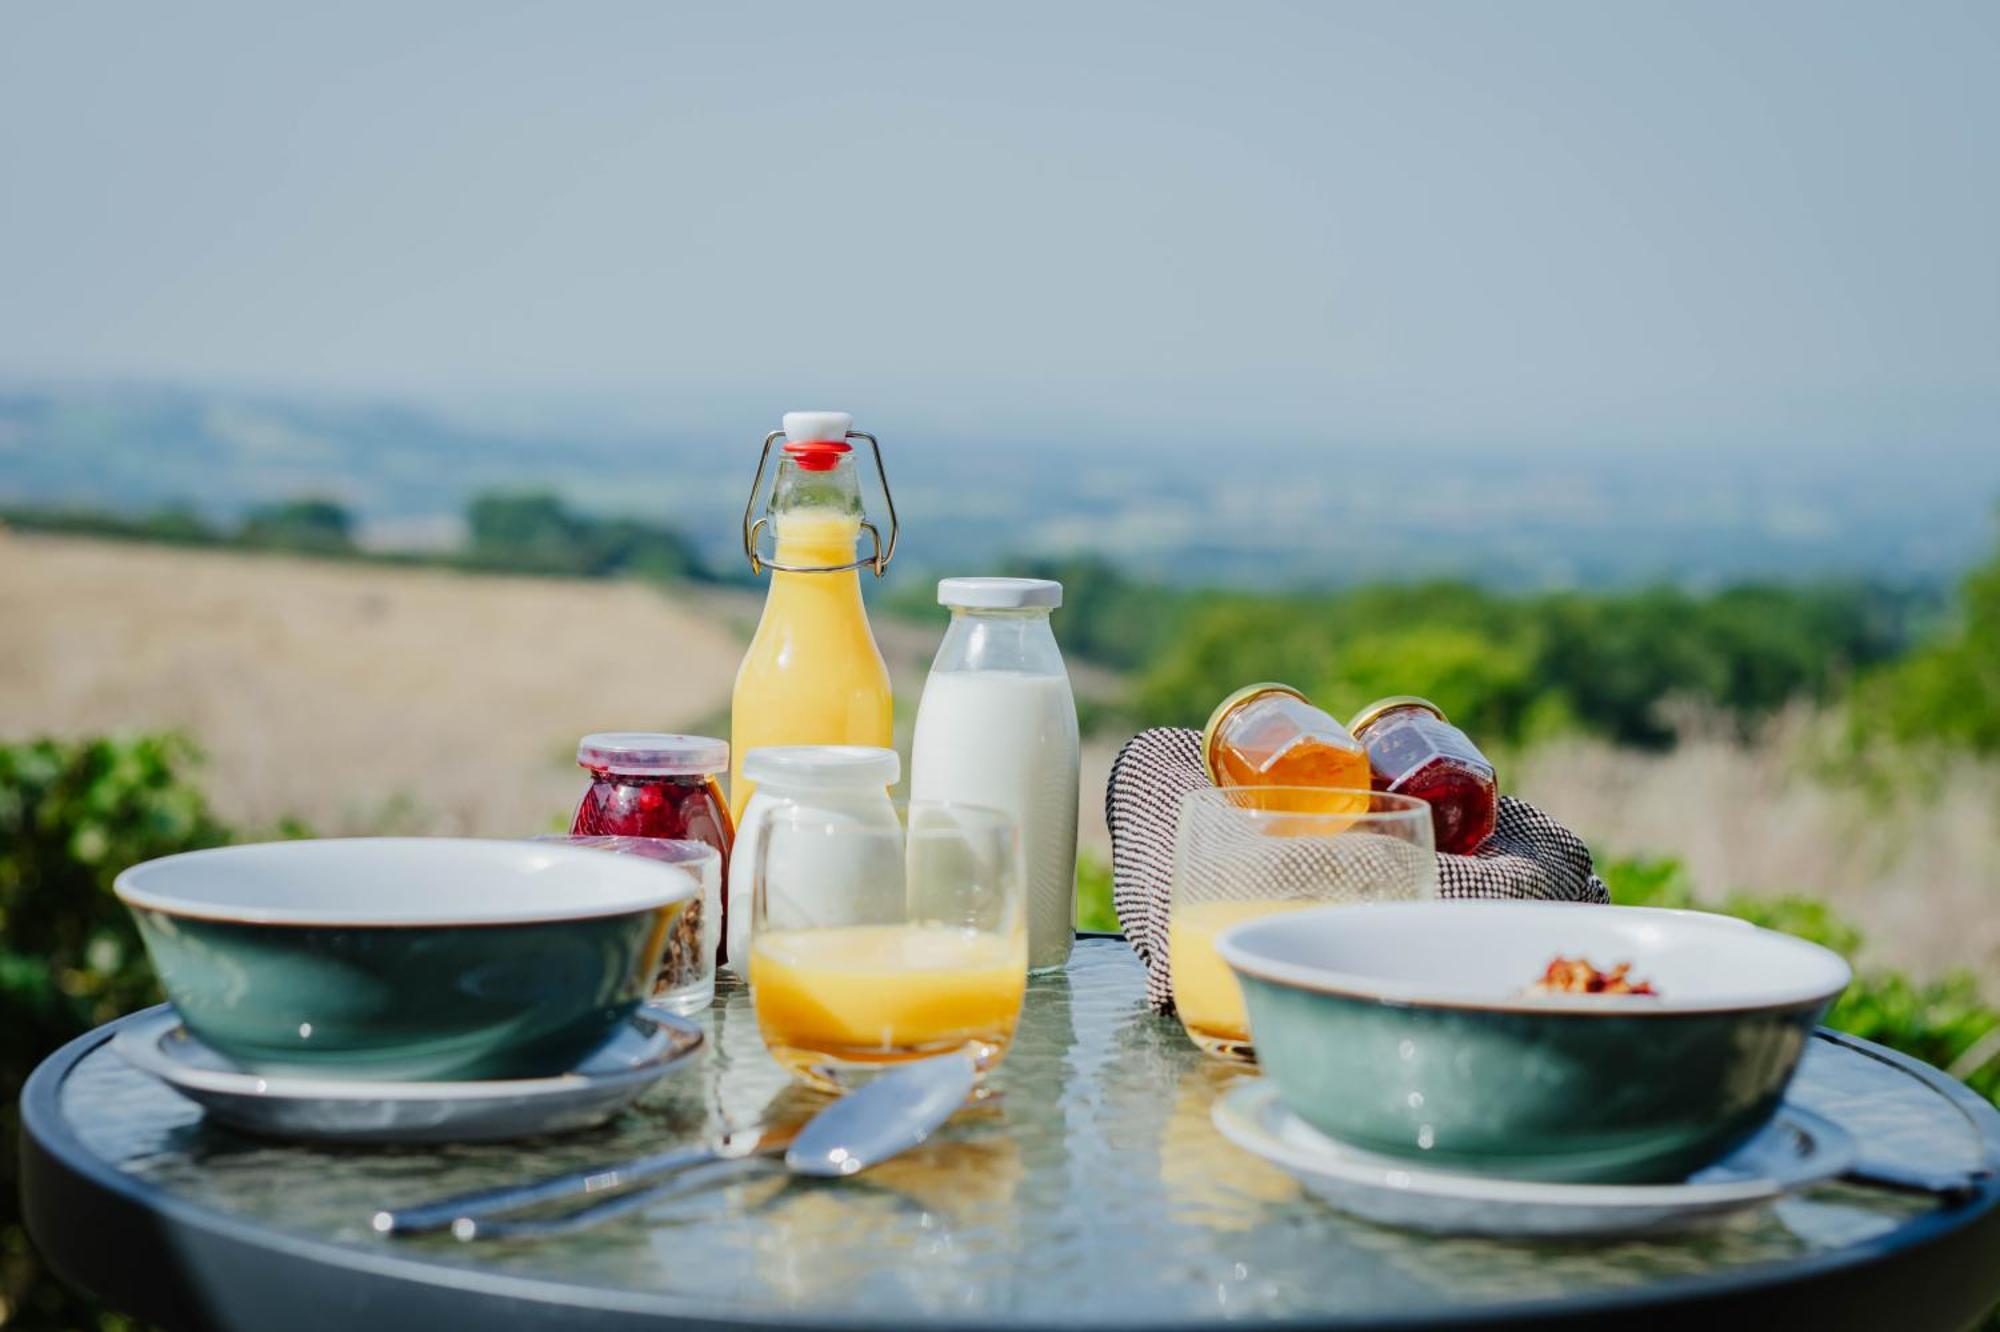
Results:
<point x="997" y="727"/>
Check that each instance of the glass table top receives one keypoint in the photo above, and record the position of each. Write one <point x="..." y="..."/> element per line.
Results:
<point x="1091" y="1189"/>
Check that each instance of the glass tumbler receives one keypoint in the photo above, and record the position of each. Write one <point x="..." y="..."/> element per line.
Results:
<point x="873" y="946"/>
<point x="1250" y="851"/>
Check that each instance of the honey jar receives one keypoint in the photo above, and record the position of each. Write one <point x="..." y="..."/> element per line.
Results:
<point x="1269" y="735"/>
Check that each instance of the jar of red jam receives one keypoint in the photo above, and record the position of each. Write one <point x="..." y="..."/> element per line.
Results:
<point x="644" y="784"/>
<point x="1413" y="750"/>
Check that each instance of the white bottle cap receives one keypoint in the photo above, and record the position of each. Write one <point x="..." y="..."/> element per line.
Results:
<point x="822" y="767"/>
<point x="1000" y="593"/>
<point x="813" y="427"/>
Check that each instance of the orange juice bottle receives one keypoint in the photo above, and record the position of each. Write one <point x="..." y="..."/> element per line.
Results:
<point x="812" y="674"/>
<point x="1269" y="735"/>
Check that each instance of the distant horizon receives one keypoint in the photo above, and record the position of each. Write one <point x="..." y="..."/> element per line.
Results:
<point x="1235" y="511"/>
<point x="635" y="420"/>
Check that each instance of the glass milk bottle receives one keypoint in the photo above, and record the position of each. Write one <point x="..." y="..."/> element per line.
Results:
<point x="997" y="727"/>
<point x="812" y="674"/>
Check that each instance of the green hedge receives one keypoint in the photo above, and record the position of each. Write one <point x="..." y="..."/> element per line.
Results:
<point x="1944" y="1022"/>
<point x="72" y="814"/>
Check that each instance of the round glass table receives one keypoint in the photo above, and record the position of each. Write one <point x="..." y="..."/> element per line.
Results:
<point x="1092" y="1192"/>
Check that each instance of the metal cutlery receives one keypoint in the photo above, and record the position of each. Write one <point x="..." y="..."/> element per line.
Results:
<point x="896" y="1111"/>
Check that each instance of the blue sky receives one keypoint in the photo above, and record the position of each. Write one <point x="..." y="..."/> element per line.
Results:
<point x="1528" y="225"/>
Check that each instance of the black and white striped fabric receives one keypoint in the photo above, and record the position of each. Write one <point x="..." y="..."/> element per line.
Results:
<point x="1529" y="856"/>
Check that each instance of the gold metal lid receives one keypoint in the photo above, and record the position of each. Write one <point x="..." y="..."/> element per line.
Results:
<point x="1373" y="712"/>
<point x="1229" y="705"/>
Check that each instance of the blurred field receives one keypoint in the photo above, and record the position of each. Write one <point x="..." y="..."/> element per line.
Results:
<point x="369" y="699"/>
<point x="1918" y="869"/>
<point x="358" y="699"/>
<point x="366" y="699"/>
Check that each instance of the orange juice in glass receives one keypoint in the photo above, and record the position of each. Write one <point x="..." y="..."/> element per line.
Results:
<point x="872" y="947"/>
<point x="1242" y="853"/>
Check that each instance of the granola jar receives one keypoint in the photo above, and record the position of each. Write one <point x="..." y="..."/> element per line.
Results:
<point x="685" y="981"/>
<point x="653" y="785"/>
<point x="1413" y="750"/>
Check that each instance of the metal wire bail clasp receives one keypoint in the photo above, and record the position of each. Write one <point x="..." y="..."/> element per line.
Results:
<point x="878" y="561"/>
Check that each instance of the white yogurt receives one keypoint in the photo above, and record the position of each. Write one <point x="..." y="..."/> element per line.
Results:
<point x="821" y="830"/>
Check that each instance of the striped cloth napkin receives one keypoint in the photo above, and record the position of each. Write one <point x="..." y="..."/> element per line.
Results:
<point x="1529" y="857"/>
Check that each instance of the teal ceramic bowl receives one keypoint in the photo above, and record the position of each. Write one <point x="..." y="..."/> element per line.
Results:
<point x="1404" y="1028"/>
<point x="405" y="958"/>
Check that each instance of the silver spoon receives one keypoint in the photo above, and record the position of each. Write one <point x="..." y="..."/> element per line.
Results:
<point x="891" y="1114"/>
<point x="883" y="1118"/>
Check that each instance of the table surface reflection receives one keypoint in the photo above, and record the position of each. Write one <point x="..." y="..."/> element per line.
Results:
<point x="1092" y="1189"/>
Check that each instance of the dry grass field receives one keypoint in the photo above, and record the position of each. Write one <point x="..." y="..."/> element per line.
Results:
<point x="353" y="697"/>
<point x="360" y="698"/>
<point x="365" y="699"/>
<point x="1918" y="870"/>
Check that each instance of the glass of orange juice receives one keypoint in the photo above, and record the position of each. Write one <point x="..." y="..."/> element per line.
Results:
<point x="874" y="945"/>
<point x="1248" y="851"/>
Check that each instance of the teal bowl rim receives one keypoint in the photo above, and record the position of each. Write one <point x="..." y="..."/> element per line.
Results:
<point x="646" y="889"/>
<point x="1235" y="944"/>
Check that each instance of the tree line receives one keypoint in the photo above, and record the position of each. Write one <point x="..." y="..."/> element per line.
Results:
<point x="527" y="532"/>
<point x="1911" y="666"/>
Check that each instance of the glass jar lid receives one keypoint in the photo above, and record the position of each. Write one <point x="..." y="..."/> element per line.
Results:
<point x="652" y="754"/>
<point x="1000" y="593"/>
<point x="1222" y="713"/>
<point x="822" y="767"/>
<point x="1375" y="711"/>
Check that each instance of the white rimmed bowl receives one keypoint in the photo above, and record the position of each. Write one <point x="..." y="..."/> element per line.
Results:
<point x="404" y="957"/>
<point x="1403" y="1028"/>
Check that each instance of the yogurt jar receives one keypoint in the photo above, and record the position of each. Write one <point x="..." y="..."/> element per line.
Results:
<point x="817" y="785"/>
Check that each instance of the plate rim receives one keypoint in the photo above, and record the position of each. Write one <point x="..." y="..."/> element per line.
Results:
<point x="139" y="1045"/>
<point x="1237" y="1116"/>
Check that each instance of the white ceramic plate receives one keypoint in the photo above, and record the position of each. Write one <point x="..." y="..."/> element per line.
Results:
<point x="1795" y="1150"/>
<point x="642" y="1049"/>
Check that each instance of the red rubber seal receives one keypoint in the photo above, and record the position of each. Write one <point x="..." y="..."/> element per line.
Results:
<point x="818" y="455"/>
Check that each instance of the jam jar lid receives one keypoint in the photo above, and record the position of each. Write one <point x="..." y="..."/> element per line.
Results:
<point x="652" y="754"/>
<point x="1371" y="714"/>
